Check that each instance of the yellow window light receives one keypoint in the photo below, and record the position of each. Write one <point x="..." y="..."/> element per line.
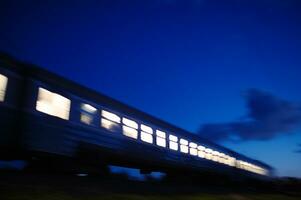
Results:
<point x="110" y="116"/>
<point x="130" y="132"/>
<point x="130" y="123"/>
<point x="146" y="129"/>
<point x="173" y="138"/>
<point x="160" y="134"/>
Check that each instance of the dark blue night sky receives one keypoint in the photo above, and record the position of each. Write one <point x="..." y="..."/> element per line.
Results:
<point x="231" y="65"/>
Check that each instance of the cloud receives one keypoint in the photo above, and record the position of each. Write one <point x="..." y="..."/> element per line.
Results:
<point x="268" y="116"/>
<point x="299" y="148"/>
<point x="298" y="151"/>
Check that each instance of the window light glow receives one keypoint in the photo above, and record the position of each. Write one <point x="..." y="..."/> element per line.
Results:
<point x="219" y="154"/>
<point x="146" y="129"/>
<point x="201" y="148"/>
<point x="110" y="116"/>
<point x="250" y="167"/>
<point x="130" y="132"/>
<point x="214" y="158"/>
<point x="160" y="134"/>
<point x="85" y="118"/>
<point x="173" y="145"/>
<point x="146" y="137"/>
<point x="232" y="161"/>
<point x="222" y="160"/>
<point x="88" y="108"/>
<point x="87" y="112"/>
<point x="193" y="151"/>
<point x="183" y="142"/>
<point x="3" y="85"/>
<point x="207" y="150"/>
<point x="208" y="156"/>
<point x="130" y="123"/>
<point x="201" y="154"/>
<point x="161" y="141"/>
<point x="173" y="138"/>
<point x="193" y="145"/>
<point x="53" y="104"/>
<point x="184" y="148"/>
<point x="107" y="124"/>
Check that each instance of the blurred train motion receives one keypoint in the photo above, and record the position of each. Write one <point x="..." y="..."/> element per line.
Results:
<point x="45" y="116"/>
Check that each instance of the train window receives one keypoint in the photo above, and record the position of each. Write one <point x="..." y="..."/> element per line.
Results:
<point x="208" y="154"/>
<point x="173" y="145"/>
<point x="173" y="138"/>
<point x="218" y="157"/>
<point x="161" y="138"/>
<point x="232" y="161"/>
<point x="222" y="158"/>
<point x="183" y="142"/>
<point x="146" y="133"/>
<point x="129" y="128"/>
<point x="107" y="124"/>
<point x="110" y="116"/>
<point x="109" y="120"/>
<point x="146" y="129"/>
<point x="173" y="142"/>
<point x="201" y="148"/>
<point x="87" y="113"/>
<point x="201" y="152"/>
<point x="88" y="108"/>
<point x="227" y="160"/>
<point x="129" y="132"/>
<point x="3" y="84"/>
<point x="53" y="104"/>
<point x="129" y="123"/>
<point x="215" y="156"/>
<point x="207" y="150"/>
<point x="193" y="149"/>
<point x="146" y="137"/>
<point x="160" y="134"/>
<point x="183" y="146"/>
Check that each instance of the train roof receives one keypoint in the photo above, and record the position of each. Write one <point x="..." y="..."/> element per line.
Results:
<point x="94" y="96"/>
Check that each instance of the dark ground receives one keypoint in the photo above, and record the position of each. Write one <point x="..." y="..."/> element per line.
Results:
<point x="42" y="186"/>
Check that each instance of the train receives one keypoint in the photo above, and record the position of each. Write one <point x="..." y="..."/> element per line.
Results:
<point x="45" y="115"/>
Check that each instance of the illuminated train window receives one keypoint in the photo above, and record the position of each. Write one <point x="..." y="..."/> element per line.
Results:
<point x="231" y="161"/>
<point x="146" y="133"/>
<point x="53" y="104"/>
<point x="173" y="142"/>
<point x="110" y="116"/>
<point x="87" y="113"/>
<point x="208" y="154"/>
<point x="183" y="146"/>
<point x="3" y="84"/>
<point x="201" y="151"/>
<point x="110" y="121"/>
<point x="161" y="138"/>
<point x="214" y="156"/>
<point x="193" y="149"/>
<point x="220" y="158"/>
<point x="129" y="128"/>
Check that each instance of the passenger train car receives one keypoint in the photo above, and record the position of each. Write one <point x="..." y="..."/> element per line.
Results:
<point x="45" y="114"/>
